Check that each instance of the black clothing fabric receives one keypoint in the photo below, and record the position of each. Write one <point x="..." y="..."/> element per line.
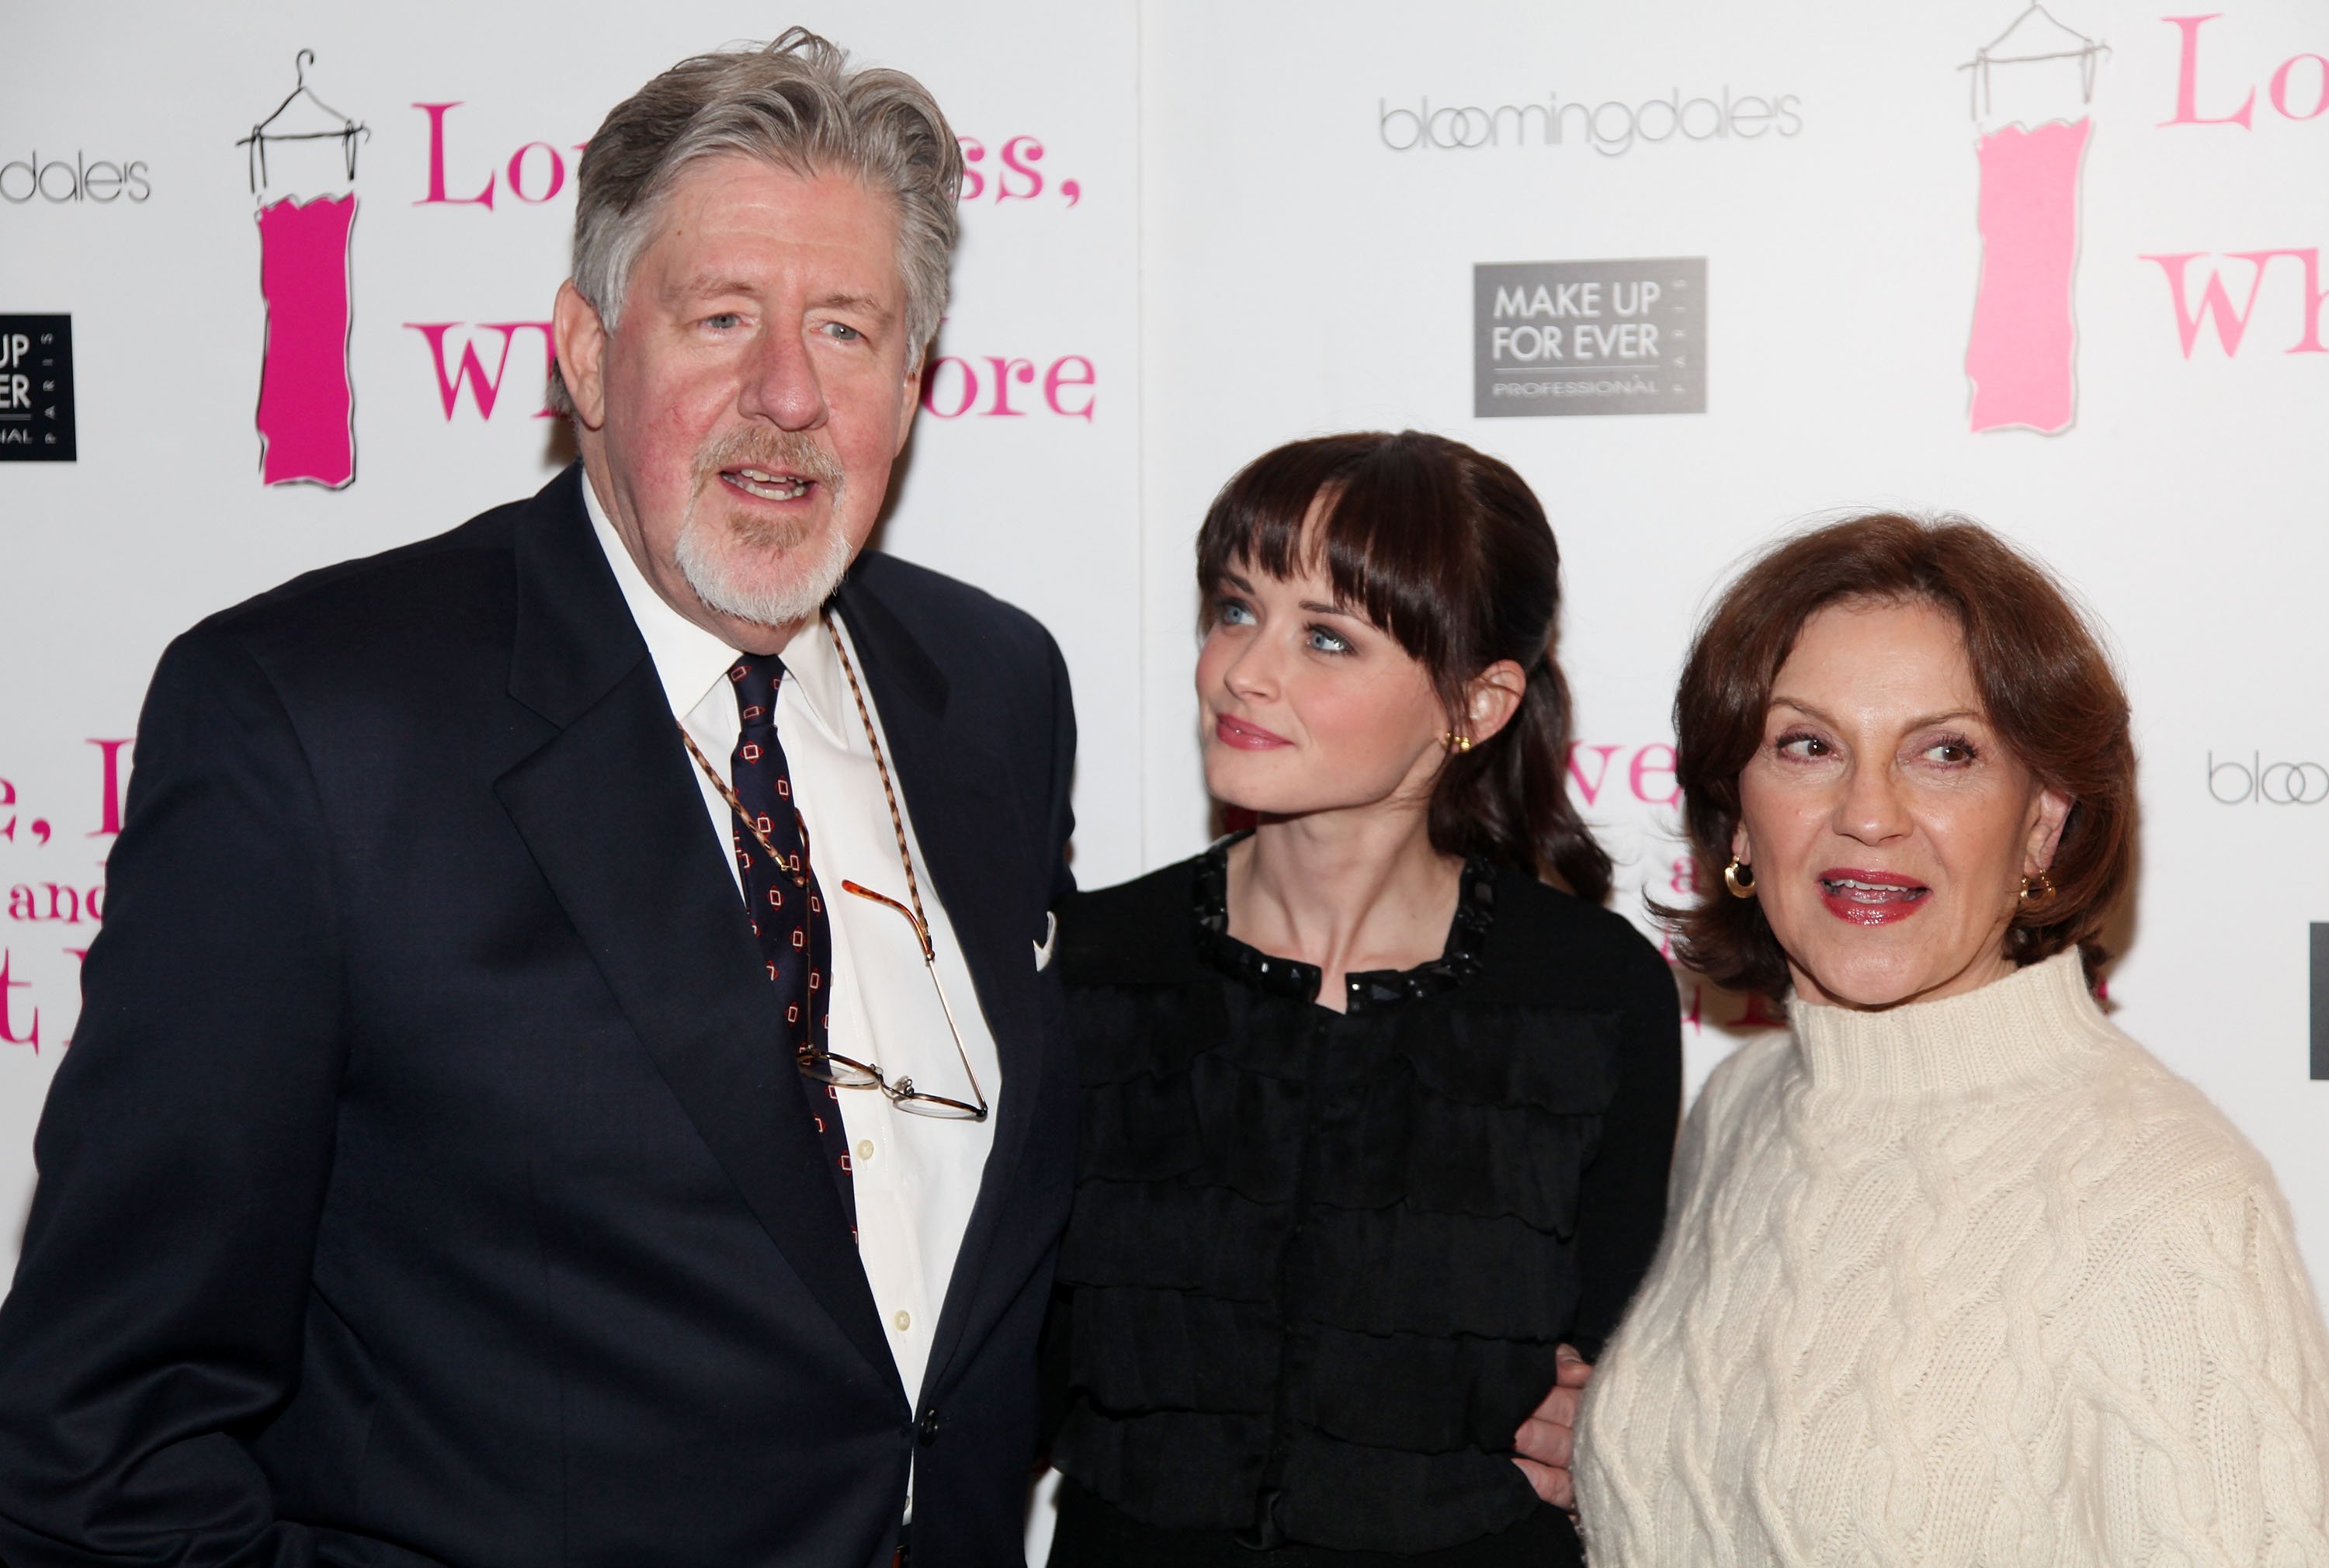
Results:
<point x="1319" y="1262"/>
<point x="428" y="1182"/>
<point x="1091" y="1531"/>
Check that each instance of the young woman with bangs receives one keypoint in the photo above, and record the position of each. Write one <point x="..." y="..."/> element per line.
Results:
<point x="1378" y="1099"/>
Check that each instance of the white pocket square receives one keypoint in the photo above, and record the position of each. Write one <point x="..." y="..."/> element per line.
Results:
<point x="1050" y="940"/>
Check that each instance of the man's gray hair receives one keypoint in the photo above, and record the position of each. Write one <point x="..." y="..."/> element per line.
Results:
<point x="794" y="104"/>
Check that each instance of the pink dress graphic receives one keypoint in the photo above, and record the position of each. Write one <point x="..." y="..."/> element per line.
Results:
<point x="2022" y="356"/>
<point x="307" y="404"/>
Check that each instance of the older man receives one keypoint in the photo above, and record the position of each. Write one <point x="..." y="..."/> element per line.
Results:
<point x="569" y="1076"/>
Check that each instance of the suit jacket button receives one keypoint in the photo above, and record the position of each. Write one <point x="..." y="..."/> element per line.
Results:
<point x="928" y="1428"/>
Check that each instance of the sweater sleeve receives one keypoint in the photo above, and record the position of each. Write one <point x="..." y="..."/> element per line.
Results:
<point x="2208" y="1421"/>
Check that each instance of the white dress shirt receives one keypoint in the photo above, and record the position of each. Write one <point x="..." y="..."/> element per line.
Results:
<point x="915" y="1177"/>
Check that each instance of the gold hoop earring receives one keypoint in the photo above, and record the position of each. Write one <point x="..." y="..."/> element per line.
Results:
<point x="2040" y="892"/>
<point x="1740" y="888"/>
<point x="1456" y="745"/>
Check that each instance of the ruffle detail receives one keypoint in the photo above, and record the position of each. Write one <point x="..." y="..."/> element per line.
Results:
<point x="1489" y="1115"/>
<point x="1384" y="1271"/>
<point x="1136" y="1350"/>
<point x="1185" y="1471"/>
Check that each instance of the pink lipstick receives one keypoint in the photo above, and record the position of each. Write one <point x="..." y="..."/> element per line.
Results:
<point x="1246" y="737"/>
<point x="1871" y="897"/>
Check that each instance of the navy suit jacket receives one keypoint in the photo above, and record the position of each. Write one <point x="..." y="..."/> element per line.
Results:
<point x="426" y="1184"/>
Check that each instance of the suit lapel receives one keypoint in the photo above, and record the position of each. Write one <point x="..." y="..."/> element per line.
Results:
<point x="609" y="809"/>
<point x="973" y="835"/>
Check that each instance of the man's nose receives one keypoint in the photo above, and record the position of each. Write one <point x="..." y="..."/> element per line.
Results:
<point x="781" y="384"/>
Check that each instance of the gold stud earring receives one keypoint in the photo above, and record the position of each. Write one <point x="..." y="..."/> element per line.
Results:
<point x="2038" y="892"/>
<point x="1454" y="743"/>
<point x="1740" y="888"/>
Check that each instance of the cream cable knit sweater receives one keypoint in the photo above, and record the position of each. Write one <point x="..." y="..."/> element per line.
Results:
<point x="1973" y="1281"/>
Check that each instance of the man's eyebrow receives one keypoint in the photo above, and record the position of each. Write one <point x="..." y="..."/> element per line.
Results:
<point x="865" y="302"/>
<point x="713" y="287"/>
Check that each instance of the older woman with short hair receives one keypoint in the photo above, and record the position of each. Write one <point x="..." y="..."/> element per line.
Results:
<point x="1956" y="1271"/>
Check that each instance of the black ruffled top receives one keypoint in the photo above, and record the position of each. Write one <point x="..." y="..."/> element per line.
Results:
<point x="1319" y="1262"/>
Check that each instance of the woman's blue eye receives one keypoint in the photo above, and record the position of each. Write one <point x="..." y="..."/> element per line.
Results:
<point x="1233" y="613"/>
<point x="1325" y="641"/>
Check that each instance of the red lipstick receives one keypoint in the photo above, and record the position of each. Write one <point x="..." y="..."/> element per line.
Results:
<point x="1245" y="736"/>
<point x="1871" y="897"/>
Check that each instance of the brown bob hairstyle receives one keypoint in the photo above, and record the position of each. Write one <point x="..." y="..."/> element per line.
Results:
<point x="2045" y="682"/>
<point x="1448" y="551"/>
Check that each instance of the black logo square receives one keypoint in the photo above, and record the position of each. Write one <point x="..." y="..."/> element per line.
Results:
<point x="36" y="389"/>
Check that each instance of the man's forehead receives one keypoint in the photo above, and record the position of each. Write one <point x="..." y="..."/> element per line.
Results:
<point x="725" y="221"/>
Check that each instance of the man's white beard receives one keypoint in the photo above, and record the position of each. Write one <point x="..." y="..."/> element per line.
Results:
<point x="720" y="578"/>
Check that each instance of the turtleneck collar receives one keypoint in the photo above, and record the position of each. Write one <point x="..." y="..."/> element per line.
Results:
<point x="2040" y="1023"/>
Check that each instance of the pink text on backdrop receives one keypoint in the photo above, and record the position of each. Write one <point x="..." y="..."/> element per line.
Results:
<point x="985" y="385"/>
<point x="9" y="986"/>
<point x="2298" y="89"/>
<point x="2215" y="307"/>
<point x="468" y="371"/>
<point x="1648" y="772"/>
<point x="36" y="831"/>
<point x="1014" y="178"/>
<point x="109" y="822"/>
<point x="56" y="903"/>
<point x="536" y="171"/>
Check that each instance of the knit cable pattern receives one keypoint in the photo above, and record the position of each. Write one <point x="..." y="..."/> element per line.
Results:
<point x="1974" y="1282"/>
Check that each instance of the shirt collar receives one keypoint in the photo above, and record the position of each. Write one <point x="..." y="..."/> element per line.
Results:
<point x="690" y="661"/>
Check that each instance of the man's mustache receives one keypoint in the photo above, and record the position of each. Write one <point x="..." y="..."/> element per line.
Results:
<point x="776" y="451"/>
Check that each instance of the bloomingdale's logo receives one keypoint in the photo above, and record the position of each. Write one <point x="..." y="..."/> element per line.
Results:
<point x="58" y="182"/>
<point x="2252" y="781"/>
<point x="1611" y="127"/>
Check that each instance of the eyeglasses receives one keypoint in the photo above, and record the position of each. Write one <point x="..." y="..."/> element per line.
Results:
<point x="820" y="1065"/>
<point x="846" y="1072"/>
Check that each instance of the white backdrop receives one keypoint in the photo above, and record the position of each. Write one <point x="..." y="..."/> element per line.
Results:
<point x="1200" y="229"/>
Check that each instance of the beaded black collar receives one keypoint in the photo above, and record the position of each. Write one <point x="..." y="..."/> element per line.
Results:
<point x="1475" y="911"/>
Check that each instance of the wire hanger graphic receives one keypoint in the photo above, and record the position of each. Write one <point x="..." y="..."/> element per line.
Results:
<point x="2064" y="42"/>
<point x="347" y="135"/>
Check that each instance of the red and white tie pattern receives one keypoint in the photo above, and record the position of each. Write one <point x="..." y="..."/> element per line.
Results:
<point x="788" y="917"/>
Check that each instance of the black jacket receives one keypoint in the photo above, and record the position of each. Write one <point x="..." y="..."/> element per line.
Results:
<point x="1320" y="1262"/>
<point x="425" y="1183"/>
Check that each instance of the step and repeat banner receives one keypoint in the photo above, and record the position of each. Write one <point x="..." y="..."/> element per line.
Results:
<point x="1701" y="271"/>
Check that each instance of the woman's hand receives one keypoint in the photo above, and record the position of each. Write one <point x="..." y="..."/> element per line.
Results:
<point x="1548" y="1438"/>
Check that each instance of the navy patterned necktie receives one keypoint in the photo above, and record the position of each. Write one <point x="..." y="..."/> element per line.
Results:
<point x="788" y="911"/>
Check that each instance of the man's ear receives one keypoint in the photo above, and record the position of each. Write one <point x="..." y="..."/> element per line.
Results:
<point x="909" y="395"/>
<point x="581" y="342"/>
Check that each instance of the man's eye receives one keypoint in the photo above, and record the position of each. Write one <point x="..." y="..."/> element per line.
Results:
<point x="726" y="321"/>
<point x="843" y="330"/>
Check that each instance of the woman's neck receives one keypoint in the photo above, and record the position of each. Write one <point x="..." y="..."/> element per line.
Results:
<point x="1347" y="893"/>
